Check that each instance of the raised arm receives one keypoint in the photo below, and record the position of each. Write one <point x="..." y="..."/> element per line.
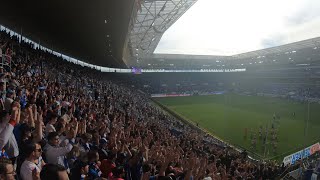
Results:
<point x="38" y="132"/>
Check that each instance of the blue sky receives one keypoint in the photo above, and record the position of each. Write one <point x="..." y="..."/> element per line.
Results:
<point x="229" y="27"/>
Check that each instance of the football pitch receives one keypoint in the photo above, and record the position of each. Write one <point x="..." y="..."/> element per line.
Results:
<point x="237" y="119"/>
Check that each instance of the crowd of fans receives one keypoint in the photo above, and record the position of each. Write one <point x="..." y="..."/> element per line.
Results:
<point x="296" y="84"/>
<point x="312" y="169"/>
<point x="163" y="83"/>
<point x="59" y="120"/>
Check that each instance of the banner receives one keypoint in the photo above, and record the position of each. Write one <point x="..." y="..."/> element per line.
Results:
<point x="169" y="95"/>
<point x="291" y="159"/>
<point x="187" y="94"/>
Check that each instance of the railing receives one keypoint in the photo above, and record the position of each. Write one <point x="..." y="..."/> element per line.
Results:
<point x="289" y="171"/>
<point x="296" y="171"/>
<point x="6" y="60"/>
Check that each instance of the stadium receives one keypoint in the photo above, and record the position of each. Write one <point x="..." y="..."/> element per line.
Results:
<point x="87" y="95"/>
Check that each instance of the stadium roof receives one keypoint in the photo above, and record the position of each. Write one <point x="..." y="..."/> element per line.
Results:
<point x="152" y="20"/>
<point x="105" y="32"/>
<point x="309" y="43"/>
<point x="145" y="37"/>
<point x="185" y="56"/>
<point x="92" y="31"/>
<point x="279" y="53"/>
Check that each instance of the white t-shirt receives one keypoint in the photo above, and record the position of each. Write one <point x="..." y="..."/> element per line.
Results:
<point x="26" y="170"/>
<point x="50" y="128"/>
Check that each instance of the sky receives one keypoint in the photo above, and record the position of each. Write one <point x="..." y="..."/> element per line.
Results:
<point x="229" y="27"/>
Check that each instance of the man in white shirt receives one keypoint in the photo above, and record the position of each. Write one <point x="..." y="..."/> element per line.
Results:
<point x="31" y="167"/>
<point x="7" y="139"/>
<point x="54" y="153"/>
<point x="50" y="125"/>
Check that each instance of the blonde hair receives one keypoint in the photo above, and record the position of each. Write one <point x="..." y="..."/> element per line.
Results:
<point x="75" y="152"/>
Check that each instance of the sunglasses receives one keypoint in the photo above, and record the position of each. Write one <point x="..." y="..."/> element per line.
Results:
<point x="13" y="172"/>
<point x="39" y="150"/>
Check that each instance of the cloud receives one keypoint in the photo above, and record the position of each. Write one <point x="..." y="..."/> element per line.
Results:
<point x="228" y="27"/>
<point x="308" y="11"/>
<point x="273" y="41"/>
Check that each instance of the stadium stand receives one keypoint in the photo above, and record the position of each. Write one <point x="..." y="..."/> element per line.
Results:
<point x="298" y="83"/>
<point x="61" y="119"/>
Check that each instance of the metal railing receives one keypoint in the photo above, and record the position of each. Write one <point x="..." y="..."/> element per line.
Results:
<point x="6" y="61"/>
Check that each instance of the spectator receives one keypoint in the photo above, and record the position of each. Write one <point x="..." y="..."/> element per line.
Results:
<point x="7" y="171"/>
<point x="80" y="170"/>
<point x="103" y="151"/>
<point x="86" y="139"/>
<point x="50" y="125"/>
<point x="308" y="173"/>
<point x="7" y="139"/>
<point x="74" y="155"/>
<point x="54" y="153"/>
<point x="54" y="172"/>
<point x="2" y="91"/>
<point x="9" y="99"/>
<point x="94" y="169"/>
<point x="107" y="165"/>
<point x="33" y="164"/>
<point x="118" y="173"/>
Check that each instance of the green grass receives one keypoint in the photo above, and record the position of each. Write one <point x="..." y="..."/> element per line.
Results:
<point x="226" y="116"/>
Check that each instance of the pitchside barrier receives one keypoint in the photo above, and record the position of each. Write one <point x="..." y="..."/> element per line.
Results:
<point x="186" y="94"/>
<point x="301" y="99"/>
<point x="302" y="154"/>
